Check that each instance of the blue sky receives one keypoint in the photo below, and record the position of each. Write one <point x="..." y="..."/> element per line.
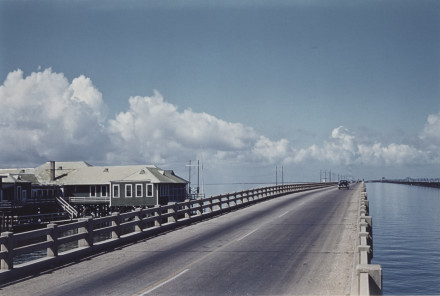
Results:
<point x="347" y="86"/>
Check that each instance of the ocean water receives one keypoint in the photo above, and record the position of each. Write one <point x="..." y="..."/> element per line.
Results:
<point x="406" y="237"/>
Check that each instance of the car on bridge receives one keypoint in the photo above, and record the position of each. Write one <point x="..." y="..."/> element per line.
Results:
<point x="343" y="184"/>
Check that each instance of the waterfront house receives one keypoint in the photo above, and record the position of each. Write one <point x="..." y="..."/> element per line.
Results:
<point x="14" y="189"/>
<point x="134" y="185"/>
<point x="81" y="183"/>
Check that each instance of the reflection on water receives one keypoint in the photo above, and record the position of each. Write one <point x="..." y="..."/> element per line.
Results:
<point x="406" y="237"/>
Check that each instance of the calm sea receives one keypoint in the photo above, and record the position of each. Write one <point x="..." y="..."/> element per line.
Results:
<point x="406" y="237"/>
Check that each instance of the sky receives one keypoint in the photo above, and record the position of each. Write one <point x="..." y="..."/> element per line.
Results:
<point x="255" y="90"/>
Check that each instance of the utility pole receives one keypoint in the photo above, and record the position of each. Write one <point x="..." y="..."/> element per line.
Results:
<point x="189" y="178"/>
<point x="282" y="175"/>
<point x="198" y="178"/>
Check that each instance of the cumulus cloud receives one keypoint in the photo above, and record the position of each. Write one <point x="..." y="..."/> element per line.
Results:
<point x="156" y="130"/>
<point x="272" y="151"/>
<point x="430" y="134"/>
<point x="345" y="148"/>
<point x="44" y="116"/>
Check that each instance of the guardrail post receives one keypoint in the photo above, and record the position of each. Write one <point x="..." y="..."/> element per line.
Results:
<point x="199" y="206"/>
<point x="209" y="205"/>
<point x="227" y="201"/>
<point x="116" y="223"/>
<point x="374" y="271"/>
<point x="186" y="208"/>
<point x="88" y="229"/>
<point x="138" y="219"/>
<point x="234" y="200"/>
<point x="158" y="214"/>
<point x="172" y="211"/>
<point x="52" y="236"/>
<point x="8" y="247"/>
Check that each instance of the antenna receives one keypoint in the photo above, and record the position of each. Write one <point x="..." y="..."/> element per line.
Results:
<point x="198" y="178"/>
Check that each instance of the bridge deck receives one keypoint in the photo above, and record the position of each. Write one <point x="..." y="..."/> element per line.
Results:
<point x="297" y="244"/>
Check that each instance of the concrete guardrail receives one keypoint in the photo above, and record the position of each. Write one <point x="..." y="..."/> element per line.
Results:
<point x="368" y="276"/>
<point x="121" y="228"/>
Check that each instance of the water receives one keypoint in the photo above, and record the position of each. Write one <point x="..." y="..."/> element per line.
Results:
<point x="406" y="237"/>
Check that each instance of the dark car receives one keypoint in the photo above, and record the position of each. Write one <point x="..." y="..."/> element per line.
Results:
<point x="343" y="184"/>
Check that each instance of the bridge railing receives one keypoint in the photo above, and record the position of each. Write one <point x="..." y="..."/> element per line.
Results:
<point x="63" y="243"/>
<point x="369" y="276"/>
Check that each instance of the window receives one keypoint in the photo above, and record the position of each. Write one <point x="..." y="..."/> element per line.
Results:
<point x="128" y="188"/>
<point x="104" y="190"/>
<point x="93" y="190"/>
<point x="115" y="190"/>
<point x="149" y="190"/>
<point x="139" y="192"/>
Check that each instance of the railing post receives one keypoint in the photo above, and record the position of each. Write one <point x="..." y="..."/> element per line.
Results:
<point x="52" y="236"/>
<point x="8" y="247"/>
<point x="208" y="202"/>
<point x="116" y="223"/>
<point x="172" y="211"/>
<point x="158" y="214"/>
<point x="227" y="200"/>
<point x="186" y="207"/>
<point x="88" y="229"/>
<point x="138" y="219"/>
<point x="200" y="206"/>
<point x="234" y="200"/>
<point x="217" y="207"/>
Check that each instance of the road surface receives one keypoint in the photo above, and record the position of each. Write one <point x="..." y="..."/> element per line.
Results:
<point x="297" y="244"/>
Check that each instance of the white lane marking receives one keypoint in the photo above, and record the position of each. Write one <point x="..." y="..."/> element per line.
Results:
<point x="282" y="214"/>
<point x="164" y="283"/>
<point x="249" y="233"/>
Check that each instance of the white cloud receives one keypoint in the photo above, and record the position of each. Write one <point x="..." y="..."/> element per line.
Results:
<point x="155" y="130"/>
<point x="43" y="116"/>
<point x="273" y="152"/>
<point x="345" y="148"/>
<point x="430" y="134"/>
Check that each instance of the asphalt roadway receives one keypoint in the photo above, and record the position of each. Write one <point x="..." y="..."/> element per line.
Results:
<point x="298" y="244"/>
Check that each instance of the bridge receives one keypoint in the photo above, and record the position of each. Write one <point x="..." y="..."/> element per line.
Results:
<point x="424" y="182"/>
<point x="290" y="239"/>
